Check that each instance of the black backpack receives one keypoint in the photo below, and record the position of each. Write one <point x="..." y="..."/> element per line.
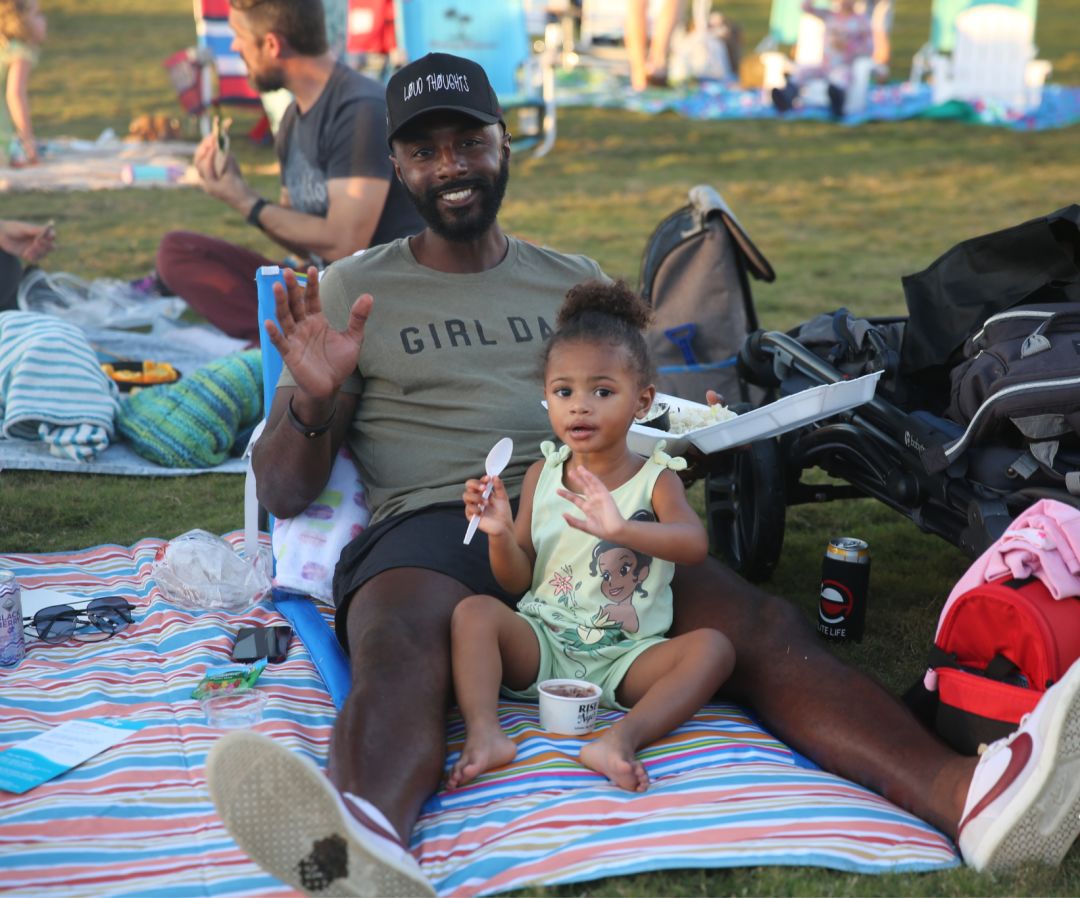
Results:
<point x="1019" y="385"/>
<point x="694" y="275"/>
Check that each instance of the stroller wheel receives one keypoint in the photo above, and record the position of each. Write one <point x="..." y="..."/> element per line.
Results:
<point x="745" y="508"/>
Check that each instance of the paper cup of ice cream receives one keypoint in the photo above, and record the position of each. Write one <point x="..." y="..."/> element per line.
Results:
<point x="568" y="706"/>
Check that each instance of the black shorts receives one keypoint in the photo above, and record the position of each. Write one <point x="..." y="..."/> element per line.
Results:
<point x="431" y="539"/>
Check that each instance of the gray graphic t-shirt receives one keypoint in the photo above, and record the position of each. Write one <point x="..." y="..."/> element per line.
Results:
<point x="343" y="135"/>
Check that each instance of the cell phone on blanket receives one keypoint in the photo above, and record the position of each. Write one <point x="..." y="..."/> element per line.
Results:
<point x="253" y="643"/>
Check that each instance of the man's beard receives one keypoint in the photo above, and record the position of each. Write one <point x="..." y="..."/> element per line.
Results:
<point x="472" y="224"/>
<point x="264" y="82"/>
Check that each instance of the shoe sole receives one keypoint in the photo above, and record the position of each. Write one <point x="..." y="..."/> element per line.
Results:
<point x="284" y="814"/>
<point x="1049" y="823"/>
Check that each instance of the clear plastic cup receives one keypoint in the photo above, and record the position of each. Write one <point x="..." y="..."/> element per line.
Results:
<point x="234" y="710"/>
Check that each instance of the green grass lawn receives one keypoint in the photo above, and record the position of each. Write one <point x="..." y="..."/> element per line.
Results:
<point x="842" y="213"/>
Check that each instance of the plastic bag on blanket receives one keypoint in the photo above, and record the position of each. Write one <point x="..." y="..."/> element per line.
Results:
<point x="102" y="302"/>
<point x="202" y="572"/>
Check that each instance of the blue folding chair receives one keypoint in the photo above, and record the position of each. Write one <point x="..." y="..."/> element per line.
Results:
<point x="495" y="35"/>
<point x="307" y="621"/>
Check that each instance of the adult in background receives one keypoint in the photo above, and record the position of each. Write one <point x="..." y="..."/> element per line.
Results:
<point x="20" y="242"/>
<point x="420" y="381"/>
<point x="22" y="32"/>
<point x="338" y="190"/>
<point x="649" y="56"/>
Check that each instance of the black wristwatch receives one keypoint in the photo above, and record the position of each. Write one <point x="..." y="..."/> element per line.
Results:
<point x="256" y="210"/>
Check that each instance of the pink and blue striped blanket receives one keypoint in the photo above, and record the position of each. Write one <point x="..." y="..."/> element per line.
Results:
<point x="137" y="820"/>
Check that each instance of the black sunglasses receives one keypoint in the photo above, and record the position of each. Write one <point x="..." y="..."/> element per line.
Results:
<point x="99" y="620"/>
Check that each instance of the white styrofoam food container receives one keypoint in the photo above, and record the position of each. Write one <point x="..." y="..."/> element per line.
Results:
<point x="770" y="420"/>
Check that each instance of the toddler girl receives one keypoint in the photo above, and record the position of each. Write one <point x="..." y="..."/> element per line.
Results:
<point x="593" y="548"/>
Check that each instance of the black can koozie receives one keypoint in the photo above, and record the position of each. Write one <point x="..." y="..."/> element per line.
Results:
<point x="845" y="580"/>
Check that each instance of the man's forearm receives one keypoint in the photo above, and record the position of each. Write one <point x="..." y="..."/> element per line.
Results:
<point x="293" y="458"/>
<point x="298" y="232"/>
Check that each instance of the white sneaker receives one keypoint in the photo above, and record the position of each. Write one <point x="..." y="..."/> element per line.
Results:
<point x="1024" y="800"/>
<point x="288" y="817"/>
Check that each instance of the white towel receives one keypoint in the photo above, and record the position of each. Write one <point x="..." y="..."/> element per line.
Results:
<point x="52" y="388"/>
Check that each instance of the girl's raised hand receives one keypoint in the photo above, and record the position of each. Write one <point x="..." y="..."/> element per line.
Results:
<point x="602" y="516"/>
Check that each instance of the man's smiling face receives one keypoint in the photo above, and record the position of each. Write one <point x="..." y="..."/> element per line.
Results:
<point x="455" y="169"/>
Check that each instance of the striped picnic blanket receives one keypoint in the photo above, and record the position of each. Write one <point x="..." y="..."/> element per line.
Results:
<point x="137" y="820"/>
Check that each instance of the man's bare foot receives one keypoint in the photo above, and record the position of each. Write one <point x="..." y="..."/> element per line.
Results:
<point x="617" y="761"/>
<point x="482" y="752"/>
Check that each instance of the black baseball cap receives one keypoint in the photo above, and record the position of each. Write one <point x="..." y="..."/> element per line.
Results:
<point x="439" y="81"/>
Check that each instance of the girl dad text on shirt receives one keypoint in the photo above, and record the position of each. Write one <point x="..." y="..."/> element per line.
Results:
<point x="454" y="333"/>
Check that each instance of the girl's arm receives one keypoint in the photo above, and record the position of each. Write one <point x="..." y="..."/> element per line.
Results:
<point x="511" y="553"/>
<point x="677" y="535"/>
<point x="18" y="103"/>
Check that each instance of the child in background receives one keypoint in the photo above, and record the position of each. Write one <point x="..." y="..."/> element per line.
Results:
<point x="598" y="532"/>
<point x="22" y="32"/>
<point x="848" y="36"/>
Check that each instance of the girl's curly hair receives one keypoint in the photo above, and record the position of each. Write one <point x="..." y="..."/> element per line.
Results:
<point x="597" y="311"/>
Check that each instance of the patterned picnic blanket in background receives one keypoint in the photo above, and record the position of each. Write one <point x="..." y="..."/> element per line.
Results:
<point x="137" y="820"/>
<point x="68" y="163"/>
<point x="894" y="101"/>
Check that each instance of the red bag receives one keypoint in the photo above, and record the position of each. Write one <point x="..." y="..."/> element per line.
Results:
<point x="370" y="27"/>
<point x="999" y="647"/>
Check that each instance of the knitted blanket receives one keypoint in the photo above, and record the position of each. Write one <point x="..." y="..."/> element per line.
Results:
<point x="52" y="388"/>
<point x="200" y="420"/>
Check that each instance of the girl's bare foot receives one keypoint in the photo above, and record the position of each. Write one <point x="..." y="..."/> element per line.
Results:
<point x="617" y="761"/>
<point x="483" y="751"/>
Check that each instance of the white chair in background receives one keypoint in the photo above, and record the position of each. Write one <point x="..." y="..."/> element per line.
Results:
<point x="993" y="60"/>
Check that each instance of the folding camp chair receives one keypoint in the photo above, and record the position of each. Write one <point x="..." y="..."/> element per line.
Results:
<point x="495" y="36"/>
<point x="211" y="74"/>
<point x="306" y="619"/>
<point x="943" y="19"/>
<point x="985" y="52"/>
<point x="992" y="60"/>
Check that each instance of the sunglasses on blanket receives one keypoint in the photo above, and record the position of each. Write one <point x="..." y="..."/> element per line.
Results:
<point x="99" y="620"/>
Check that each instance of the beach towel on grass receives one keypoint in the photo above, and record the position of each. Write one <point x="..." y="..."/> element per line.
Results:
<point x="52" y="388"/>
<point x="136" y="820"/>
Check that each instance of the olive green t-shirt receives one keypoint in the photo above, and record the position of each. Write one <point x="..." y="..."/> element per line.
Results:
<point x="449" y="365"/>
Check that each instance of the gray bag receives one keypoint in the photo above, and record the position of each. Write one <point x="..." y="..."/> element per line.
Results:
<point x="694" y="275"/>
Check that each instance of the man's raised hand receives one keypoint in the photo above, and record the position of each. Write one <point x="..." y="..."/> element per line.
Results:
<point x="319" y="357"/>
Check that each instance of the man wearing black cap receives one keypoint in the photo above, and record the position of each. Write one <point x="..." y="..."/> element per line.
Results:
<point x="419" y="382"/>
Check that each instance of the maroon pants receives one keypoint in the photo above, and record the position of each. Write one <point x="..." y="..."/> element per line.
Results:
<point x="215" y="278"/>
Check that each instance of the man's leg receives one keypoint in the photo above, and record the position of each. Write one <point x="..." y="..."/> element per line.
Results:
<point x="215" y="278"/>
<point x="389" y="739"/>
<point x="832" y="713"/>
<point x="386" y="753"/>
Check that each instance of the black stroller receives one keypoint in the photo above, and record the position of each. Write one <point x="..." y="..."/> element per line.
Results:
<point x="976" y="415"/>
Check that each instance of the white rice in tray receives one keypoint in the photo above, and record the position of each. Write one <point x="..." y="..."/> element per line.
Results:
<point x="695" y="417"/>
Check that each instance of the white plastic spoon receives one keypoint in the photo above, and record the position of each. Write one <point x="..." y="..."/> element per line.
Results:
<point x="496" y="460"/>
